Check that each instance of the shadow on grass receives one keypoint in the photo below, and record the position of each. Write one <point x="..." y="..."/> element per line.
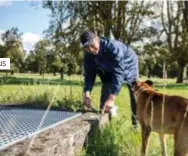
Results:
<point x="34" y="81"/>
<point x="172" y="86"/>
<point x="42" y="106"/>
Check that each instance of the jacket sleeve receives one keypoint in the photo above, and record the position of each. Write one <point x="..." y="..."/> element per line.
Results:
<point x="89" y="72"/>
<point x="117" y="65"/>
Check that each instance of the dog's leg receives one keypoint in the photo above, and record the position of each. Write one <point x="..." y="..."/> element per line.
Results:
<point x="145" y="138"/>
<point x="179" y="149"/>
<point x="177" y="152"/>
<point x="181" y="143"/>
<point x="180" y="136"/>
<point x="163" y="144"/>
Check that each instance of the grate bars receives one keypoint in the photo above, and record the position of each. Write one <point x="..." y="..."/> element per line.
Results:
<point x="17" y="124"/>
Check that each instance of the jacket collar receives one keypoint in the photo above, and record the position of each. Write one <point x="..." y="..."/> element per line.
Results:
<point x="103" y="43"/>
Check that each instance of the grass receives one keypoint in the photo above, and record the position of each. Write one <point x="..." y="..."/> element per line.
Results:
<point x="123" y="140"/>
<point x="117" y="139"/>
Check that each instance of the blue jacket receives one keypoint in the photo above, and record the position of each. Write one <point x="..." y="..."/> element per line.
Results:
<point x="114" y="58"/>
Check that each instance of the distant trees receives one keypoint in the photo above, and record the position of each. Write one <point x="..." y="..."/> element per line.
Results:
<point x="175" y="27"/>
<point x="158" y="31"/>
<point x="13" y="49"/>
<point x="44" y="58"/>
<point x="122" y="20"/>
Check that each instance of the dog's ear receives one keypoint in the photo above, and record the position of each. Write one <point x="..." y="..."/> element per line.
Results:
<point x="134" y="83"/>
<point x="149" y="82"/>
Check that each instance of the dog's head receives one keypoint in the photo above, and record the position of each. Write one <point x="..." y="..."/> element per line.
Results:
<point x="138" y="85"/>
<point x="142" y="88"/>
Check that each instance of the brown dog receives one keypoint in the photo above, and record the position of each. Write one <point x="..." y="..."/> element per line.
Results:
<point x="163" y="114"/>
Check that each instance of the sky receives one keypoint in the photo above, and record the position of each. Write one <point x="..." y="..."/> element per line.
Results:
<point x="30" y="19"/>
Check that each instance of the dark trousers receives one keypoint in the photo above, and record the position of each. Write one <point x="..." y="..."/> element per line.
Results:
<point x="105" y="91"/>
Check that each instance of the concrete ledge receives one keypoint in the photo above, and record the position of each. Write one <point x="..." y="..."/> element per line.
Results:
<point x="66" y="139"/>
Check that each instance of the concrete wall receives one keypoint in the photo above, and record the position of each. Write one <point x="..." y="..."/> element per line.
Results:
<point x="66" y="139"/>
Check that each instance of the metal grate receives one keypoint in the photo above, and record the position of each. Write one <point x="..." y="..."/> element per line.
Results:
<point x="17" y="124"/>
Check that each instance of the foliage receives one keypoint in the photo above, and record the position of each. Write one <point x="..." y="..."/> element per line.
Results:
<point x="13" y="49"/>
<point x="175" y="28"/>
<point x="42" y="100"/>
<point x="159" y="38"/>
<point x="69" y="104"/>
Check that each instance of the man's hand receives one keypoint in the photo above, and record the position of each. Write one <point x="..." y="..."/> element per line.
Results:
<point x="87" y="99"/>
<point x="109" y="103"/>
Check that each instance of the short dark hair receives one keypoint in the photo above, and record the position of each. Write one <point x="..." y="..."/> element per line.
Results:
<point x="87" y="37"/>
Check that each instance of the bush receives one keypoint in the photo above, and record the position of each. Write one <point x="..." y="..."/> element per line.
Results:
<point x="70" y="104"/>
<point x="44" y="99"/>
<point x="41" y="100"/>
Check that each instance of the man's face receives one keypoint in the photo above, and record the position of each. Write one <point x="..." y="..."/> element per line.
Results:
<point x="94" y="47"/>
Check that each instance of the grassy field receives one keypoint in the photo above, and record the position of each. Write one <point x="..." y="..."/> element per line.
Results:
<point x="117" y="139"/>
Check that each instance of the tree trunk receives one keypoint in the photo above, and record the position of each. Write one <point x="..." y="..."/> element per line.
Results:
<point x="118" y="22"/>
<point x="185" y="73"/>
<point x="149" y="70"/>
<point x="185" y="13"/>
<point x="120" y="11"/>
<point x="107" y="17"/>
<point x="107" y="31"/>
<point x="164" y="70"/>
<point x="62" y="75"/>
<point x="149" y="74"/>
<point x="40" y="72"/>
<point x="12" y="72"/>
<point x="180" y="74"/>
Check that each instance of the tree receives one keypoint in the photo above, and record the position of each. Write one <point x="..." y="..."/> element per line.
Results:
<point x="72" y="66"/>
<point x="13" y="49"/>
<point x="121" y="19"/>
<point x="56" y="64"/>
<point x="42" y="50"/>
<point x="31" y="62"/>
<point x="149" y="54"/>
<point x="175" y="28"/>
<point x="185" y="13"/>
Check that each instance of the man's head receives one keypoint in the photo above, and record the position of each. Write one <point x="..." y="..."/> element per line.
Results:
<point x="90" y="42"/>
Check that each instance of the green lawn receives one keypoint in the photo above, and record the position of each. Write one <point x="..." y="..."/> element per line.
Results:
<point x="118" y="138"/>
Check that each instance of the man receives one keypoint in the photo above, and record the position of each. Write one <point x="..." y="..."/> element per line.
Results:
<point x="115" y="63"/>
